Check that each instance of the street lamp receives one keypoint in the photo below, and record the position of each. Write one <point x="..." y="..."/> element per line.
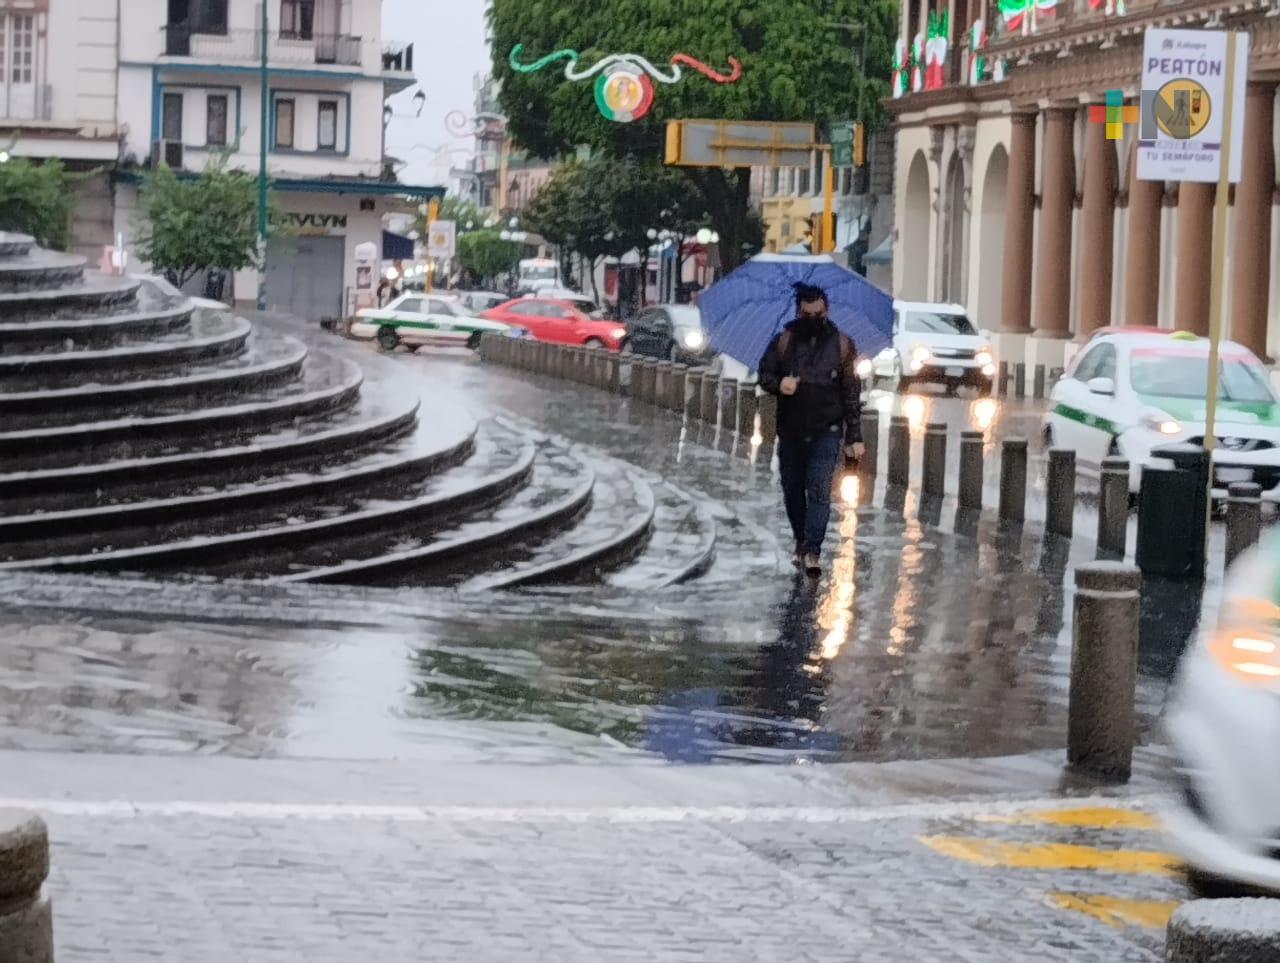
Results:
<point x="704" y="236"/>
<point x="653" y="234"/>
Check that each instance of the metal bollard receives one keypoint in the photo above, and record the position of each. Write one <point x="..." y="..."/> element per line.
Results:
<point x="1002" y="380"/>
<point x="693" y="399"/>
<point x="972" y="452"/>
<point x="870" y="463"/>
<point x="1061" y="510"/>
<point x="661" y="383"/>
<point x="1113" y="508"/>
<point x="1020" y="379"/>
<point x="1013" y="479"/>
<point x="1244" y="517"/>
<point x="709" y="408"/>
<point x="679" y="378"/>
<point x="1037" y="382"/>
<point x="1104" y="670"/>
<point x="747" y="409"/>
<point x="899" y="451"/>
<point x="767" y="405"/>
<point x="26" y="918"/>
<point x="728" y="404"/>
<point x="935" y="460"/>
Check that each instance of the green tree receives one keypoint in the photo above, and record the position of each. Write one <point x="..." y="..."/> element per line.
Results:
<point x="193" y="224"/>
<point x="796" y="67"/>
<point x="457" y="209"/>
<point x="485" y="254"/>
<point x="36" y="199"/>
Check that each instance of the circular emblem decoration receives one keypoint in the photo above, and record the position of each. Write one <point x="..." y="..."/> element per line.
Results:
<point x="624" y="93"/>
<point x="1182" y="108"/>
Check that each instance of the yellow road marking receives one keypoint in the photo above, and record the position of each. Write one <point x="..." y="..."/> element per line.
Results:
<point x="1098" y="817"/>
<point x="994" y="852"/>
<point x="1151" y="913"/>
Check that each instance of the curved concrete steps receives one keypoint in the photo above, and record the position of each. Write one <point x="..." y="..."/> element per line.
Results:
<point x="265" y="363"/>
<point x="71" y="334"/>
<point x="40" y="270"/>
<point x="558" y="490"/>
<point x="682" y="545"/>
<point x="96" y="294"/>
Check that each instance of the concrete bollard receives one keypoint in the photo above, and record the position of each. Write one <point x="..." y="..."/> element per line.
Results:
<point x="870" y="463"/>
<point x="972" y="453"/>
<point x="1113" y="508"/>
<point x="693" y="397"/>
<point x="1221" y="930"/>
<point x="899" y="451"/>
<point x="1244" y="517"/>
<point x="661" y="383"/>
<point x="1013" y="479"/>
<point x="709" y="408"/>
<point x="1104" y="670"/>
<point x="747" y="409"/>
<point x="1037" y="383"/>
<point x="613" y="373"/>
<point x="1002" y="380"/>
<point x="679" y="380"/>
<point x="1020" y="379"/>
<point x="648" y="379"/>
<point x="26" y="918"/>
<point x="1060" y="513"/>
<point x="935" y="460"/>
<point x="728" y="404"/>
<point x="767" y="406"/>
<point x="1055" y="375"/>
<point x="601" y="377"/>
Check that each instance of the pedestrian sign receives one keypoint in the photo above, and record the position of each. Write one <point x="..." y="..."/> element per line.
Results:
<point x="842" y="144"/>
<point x="1183" y="115"/>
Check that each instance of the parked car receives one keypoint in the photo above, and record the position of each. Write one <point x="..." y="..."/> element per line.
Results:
<point x="558" y="321"/>
<point x="1224" y="727"/>
<point x="672" y="332"/>
<point x="416" y="319"/>
<point x="935" y="343"/>
<point x="478" y="301"/>
<point x="1130" y="392"/>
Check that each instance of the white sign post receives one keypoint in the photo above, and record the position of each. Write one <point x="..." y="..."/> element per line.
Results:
<point x="441" y="237"/>
<point x="1192" y="129"/>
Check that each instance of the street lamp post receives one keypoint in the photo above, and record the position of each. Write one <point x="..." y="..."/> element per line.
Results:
<point x="263" y="225"/>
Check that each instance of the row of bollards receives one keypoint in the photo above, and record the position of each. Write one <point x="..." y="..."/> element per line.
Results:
<point x="1011" y="380"/>
<point x="26" y="919"/>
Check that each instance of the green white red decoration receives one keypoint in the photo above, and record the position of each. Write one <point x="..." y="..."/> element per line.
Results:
<point x="977" y="62"/>
<point x="936" y="50"/>
<point x="1023" y="14"/>
<point x="917" y="63"/>
<point x="899" y="68"/>
<point x="624" y="88"/>
<point x="1111" y="7"/>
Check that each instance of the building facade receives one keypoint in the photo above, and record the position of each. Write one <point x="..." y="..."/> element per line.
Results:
<point x="58" y="62"/>
<point x="190" y="94"/>
<point x="1011" y="201"/>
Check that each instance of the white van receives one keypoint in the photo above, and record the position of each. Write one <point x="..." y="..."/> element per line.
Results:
<point x="938" y="344"/>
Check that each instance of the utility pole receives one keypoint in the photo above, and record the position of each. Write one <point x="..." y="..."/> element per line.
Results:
<point x="262" y="165"/>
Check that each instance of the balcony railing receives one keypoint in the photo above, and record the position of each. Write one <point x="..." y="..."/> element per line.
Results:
<point x="236" y="46"/>
<point x="398" y="57"/>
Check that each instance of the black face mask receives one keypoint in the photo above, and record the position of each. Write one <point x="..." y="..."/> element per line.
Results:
<point x="811" y="325"/>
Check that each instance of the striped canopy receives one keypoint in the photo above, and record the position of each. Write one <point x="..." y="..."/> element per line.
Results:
<point x="742" y="312"/>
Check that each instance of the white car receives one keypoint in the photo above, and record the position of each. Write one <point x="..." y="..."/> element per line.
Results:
<point x="1223" y="721"/>
<point x="432" y="319"/>
<point x="935" y="343"/>
<point x="1131" y="391"/>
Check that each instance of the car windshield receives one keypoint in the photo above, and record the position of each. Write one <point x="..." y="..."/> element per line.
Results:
<point x="929" y="322"/>
<point x="1187" y="376"/>
<point x="459" y="310"/>
<point x="530" y="273"/>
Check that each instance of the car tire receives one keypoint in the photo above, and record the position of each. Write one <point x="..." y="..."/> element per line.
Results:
<point x="473" y="342"/>
<point x="413" y="348"/>
<point x="388" y="340"/>
<point x="594" y="343"/>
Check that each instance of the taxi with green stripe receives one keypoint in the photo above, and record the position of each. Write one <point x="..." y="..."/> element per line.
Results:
<point x="416" y="319"/>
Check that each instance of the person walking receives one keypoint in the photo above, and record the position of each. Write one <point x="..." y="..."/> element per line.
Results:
<point x="812" y="368"/>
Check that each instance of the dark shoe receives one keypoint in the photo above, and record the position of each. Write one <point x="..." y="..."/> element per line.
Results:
<point x="812" y="565"/>
<point x="797" y="557"/>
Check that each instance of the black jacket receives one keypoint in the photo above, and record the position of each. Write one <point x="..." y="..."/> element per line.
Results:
<point x="829" y="393"/>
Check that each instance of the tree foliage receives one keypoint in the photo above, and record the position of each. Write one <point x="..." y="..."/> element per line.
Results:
<point x="796" y="67"/>
<point x="193" y="224"/>
<point x="457" y="209"/>
<point x="485" y="254"/>
<point x="36" y="199"/>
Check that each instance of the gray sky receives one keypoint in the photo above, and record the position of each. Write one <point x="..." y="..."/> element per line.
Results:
<point x="449" y="49"/>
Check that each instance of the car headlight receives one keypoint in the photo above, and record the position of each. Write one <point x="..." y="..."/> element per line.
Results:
<point x="864" y="368"/>
<point x="984" y="357"/>
<point x="619" y="332"/>
<point x="920" y="354"/>
<point x="1247" y="649"/>
<point x="1159" y="421"/>
<point x="693" y="340"/>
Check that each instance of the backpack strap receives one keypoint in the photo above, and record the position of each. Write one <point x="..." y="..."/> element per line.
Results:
<point x="846" y="347"/>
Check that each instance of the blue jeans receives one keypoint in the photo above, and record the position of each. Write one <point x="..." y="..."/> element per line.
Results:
<point x="808" y="469"/>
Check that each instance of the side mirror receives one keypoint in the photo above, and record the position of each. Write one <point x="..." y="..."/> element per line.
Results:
<point x="1101" y="386"/>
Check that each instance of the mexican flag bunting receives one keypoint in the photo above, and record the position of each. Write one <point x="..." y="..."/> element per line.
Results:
<point x="917" y="63"/>
<point x="977" y="63"/>
<point x="899" y="68"/>
<point x="1022" y="14"/>
<point x="936" y="51"/>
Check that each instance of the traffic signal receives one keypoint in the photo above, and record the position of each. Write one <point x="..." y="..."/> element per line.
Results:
<point x="859" y="144"/>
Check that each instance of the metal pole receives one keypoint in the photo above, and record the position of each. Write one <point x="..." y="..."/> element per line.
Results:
<point x="264" y="107"/>
<point x="828" y="204"/>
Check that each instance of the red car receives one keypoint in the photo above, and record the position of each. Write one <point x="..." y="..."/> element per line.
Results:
<point x="549" y="319"/>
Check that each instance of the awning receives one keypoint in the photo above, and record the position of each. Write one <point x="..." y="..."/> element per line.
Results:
<point x="396" y="247"/>
<point x="883" y="254"/>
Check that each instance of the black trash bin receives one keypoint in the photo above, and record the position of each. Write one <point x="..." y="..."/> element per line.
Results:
<point x="1172" y="510"/>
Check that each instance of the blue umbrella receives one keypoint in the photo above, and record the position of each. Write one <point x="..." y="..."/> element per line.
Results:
<point x="742" y="312"/>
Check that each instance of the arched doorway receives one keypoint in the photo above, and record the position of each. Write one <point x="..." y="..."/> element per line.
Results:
<point x="914" y="249"/>
<point x="954" y="282"/>
<point x="990" y="250"/>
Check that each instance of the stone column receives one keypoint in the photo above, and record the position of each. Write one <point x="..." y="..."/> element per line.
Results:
<point x="1195" y="253"/>
<point x="1142" y="260"/>
<point x="1098" y="225"/>
<point x="1015" y="304"/>
<point x="1057" y="201"/>
<point x="1251" y="252"/>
